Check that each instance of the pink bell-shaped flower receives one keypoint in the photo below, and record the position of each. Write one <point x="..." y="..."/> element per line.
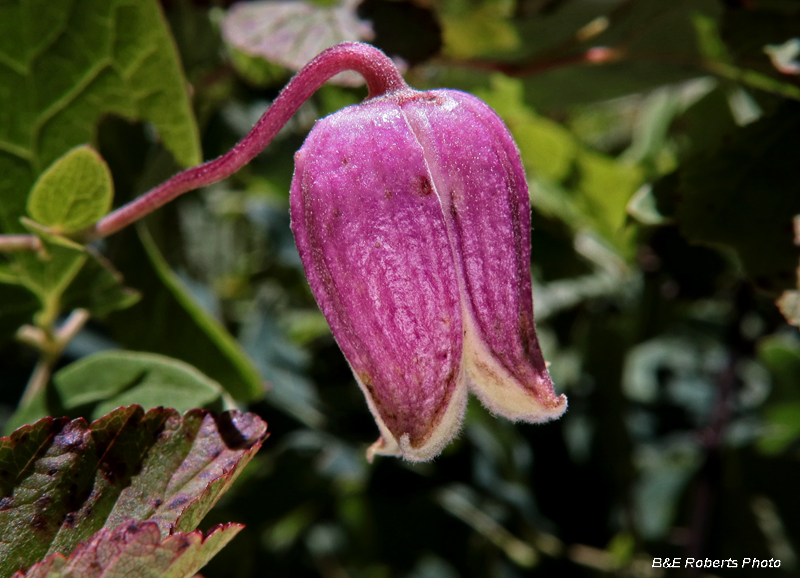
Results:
<point x="411" y="215"/>
<point x="412" y="219"/>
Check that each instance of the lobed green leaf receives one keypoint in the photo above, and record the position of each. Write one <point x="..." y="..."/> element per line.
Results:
<point x="65" y="65"/>
<point x="99" y="383"/>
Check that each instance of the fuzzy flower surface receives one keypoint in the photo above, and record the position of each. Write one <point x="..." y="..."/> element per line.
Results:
<point x="411" y="216"/>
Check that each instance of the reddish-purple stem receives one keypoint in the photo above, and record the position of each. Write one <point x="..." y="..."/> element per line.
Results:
<point x="377" y="69"/>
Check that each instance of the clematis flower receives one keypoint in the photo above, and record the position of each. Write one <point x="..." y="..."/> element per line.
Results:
<point x="412" y="219"/>
<point x="410" y="212"/>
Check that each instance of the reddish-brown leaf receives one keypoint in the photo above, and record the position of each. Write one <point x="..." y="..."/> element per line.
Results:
<point x="61" y="481"/>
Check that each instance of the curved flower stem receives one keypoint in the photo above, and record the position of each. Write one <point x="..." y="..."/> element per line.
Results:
<point x="377" y="69"/>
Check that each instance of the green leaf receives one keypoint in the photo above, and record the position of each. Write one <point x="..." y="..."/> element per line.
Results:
<point x="471" y="29"/>
<point x="136" y="549"/>
<point x="64" y="66"/>
<point x="709" y="40"/>
<point x="47" y="274"/>
<point x="708" y="121"/>
<point x="621" y="548"/>
<point x="61" y="481"/>
<point x="744" y="195"/>
<point x="74" y="192"/>
<point x="169" y="321"/>
<point x="68" y="275"/>
<point x="103" y="381"/>
<point x="606" y="186"/>
<point x="256" y="70"/>
<point x="553" y="156"/>
<point x="548" y="149"/>
<point x="98" y="287"/>
<point x="782" y="428"/>
<point x="780" y="354"/>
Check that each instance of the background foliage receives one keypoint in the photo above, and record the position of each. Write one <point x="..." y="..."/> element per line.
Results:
<point x="660" y="140"/>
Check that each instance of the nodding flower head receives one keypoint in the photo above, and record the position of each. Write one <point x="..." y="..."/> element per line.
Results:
<point x="412" y="219"/>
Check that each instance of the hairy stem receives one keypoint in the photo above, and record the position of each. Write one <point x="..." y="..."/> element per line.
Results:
<point x="13" y="243"/>
<point x="377" y="69"/>
<point x="50" y="346"/>
<point x="39" y="378"/>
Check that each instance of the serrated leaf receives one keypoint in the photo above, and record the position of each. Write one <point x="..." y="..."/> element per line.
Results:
<point x="74" y="192"/>
<point x="290" y="33"/>
<point x="64" y="66"/>
<point x="136" y="549"/>
<point x="98" y="383"/>
<point x="61" y="481"/>
<point x="169" y="321"/>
